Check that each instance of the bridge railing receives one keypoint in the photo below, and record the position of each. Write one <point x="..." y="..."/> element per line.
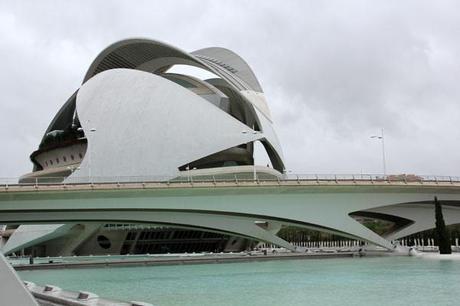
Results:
<point x="232" y="178"/>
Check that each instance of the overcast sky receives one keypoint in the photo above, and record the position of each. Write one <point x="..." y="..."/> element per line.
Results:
<point x="333" y="72"/>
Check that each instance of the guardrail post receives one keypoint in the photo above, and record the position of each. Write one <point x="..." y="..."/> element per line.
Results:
<point x="298" y="180"/>
<point x="317" y="179"/>
<point x="450" y="179"/>
<point x="236" y="179"/>
<point x="353" y="178"/>
<point x="214" y="180"/>
<point x="335" y="178"/>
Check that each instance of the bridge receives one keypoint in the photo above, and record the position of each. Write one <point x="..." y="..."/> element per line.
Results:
<point x="252" y="208"/>
<point x="242" y="207"/>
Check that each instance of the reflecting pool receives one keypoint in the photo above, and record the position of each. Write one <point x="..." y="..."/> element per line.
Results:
<point x="343" y="281"/>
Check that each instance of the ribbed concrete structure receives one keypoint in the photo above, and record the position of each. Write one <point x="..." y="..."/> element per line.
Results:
<point x="129" y="101"/>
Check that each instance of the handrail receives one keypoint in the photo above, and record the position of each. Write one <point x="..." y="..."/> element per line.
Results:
<point x="235" y="178"/>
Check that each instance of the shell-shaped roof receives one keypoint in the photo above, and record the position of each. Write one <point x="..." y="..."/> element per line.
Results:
<point x="155" y="56"/>
<point x="233" y="62"/>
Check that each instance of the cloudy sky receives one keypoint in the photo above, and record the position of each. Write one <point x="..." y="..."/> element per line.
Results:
<point x="334" y="72"/>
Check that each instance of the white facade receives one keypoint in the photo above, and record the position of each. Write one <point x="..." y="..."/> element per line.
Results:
<point x="134" y="119"/>
<point x="147" y="126"/>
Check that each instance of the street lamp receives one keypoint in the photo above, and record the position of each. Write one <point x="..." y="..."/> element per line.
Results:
<point x="92" y="130"/>
<point x="382" y="138"/>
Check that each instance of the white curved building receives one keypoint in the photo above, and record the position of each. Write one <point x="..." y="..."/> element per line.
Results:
<point x="133" y="119"/>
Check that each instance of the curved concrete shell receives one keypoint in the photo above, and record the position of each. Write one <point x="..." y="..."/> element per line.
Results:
<point x="131" y="118"/>
<point x="144" y="125"/>
<point x="233" y="62"/>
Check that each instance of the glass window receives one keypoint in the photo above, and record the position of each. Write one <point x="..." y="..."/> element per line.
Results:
<point x="64" y="158"/>
<point x="72" y="157"/>
<point x="57" y="160"/>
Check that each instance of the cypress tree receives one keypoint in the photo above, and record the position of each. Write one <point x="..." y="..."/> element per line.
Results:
<point x="442" y="234"/>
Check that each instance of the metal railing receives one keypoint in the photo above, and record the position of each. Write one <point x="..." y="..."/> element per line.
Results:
<point x="231" y="178"/>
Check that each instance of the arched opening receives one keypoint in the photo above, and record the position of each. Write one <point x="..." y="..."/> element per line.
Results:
<point x="260" y="154"/>
<point x="193" y="71"/>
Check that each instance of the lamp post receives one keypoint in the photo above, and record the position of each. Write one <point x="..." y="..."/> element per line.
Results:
<point x="381" y="137"/>
<point x="92" y="130"/>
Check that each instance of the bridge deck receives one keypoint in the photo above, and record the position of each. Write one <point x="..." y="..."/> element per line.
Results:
<point x="234" y="206"/>
<point x="41" y="187"/>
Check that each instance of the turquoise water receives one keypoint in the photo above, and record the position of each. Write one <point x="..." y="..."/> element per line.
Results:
<point x="348" y="281"/>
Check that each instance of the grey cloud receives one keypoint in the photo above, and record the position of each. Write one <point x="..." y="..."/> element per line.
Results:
<point x="333" y="72"/>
